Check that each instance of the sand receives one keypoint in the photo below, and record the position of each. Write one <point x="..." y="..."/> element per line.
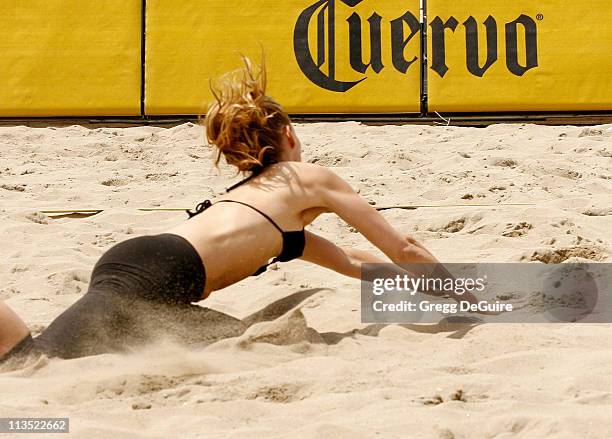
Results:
<point x="316" y="371"/>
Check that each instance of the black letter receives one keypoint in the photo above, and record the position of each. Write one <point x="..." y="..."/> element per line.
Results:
<point x="531" y="42"/>
<point x="471" y="45"/>
<point x="438" y="43"/>
<point x="321" y="37"/>
<point x="304" y="57"/>
<point x="355" y="46"/>
<point x="398" y="43"/>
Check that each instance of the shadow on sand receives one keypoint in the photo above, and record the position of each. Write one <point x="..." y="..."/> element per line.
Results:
<point x="226" y="326"/>
<point x="199" y="326"/>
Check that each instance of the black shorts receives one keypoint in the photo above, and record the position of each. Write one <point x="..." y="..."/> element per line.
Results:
<point x="161" y="268"/>
<point x="140" y="289"/>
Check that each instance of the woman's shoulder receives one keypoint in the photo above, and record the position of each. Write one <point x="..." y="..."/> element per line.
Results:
<point x="306" y="170"/>
<point x="307" y="175"/>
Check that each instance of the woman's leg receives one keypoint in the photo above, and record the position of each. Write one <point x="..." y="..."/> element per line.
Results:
<point x="186" y="324"/>
<point x="106" y="321"/>
<point x="101" y="321"/>
<point x="12" y="329"/>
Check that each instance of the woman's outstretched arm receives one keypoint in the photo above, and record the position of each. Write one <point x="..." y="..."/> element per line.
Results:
<point x="337" y="196"/>
<point x="12" y="329"/>
<point x="343" y="260"/>
<point x="347" y="261"/>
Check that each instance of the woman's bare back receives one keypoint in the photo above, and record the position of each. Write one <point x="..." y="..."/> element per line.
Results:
<point x="233" y="240"/>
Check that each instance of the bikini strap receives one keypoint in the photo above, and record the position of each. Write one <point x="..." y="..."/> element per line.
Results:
<point x="256" y="210"/>
<point x="254" y="173"/>
<point x="199" y="208"/>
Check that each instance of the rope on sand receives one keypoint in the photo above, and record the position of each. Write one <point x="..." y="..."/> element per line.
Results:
<point x="419" y="206"/>
<point x="90" y="212"/>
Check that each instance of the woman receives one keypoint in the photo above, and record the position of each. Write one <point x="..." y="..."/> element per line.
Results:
<point x="150" y="281"/>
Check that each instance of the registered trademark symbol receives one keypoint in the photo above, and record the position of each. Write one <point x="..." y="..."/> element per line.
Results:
<point x="540" y="17"/>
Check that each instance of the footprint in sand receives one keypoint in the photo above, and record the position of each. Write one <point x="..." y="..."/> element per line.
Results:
<point x="496" y="189"/>
<point x="557" y="256"/>
<point x="70" y="282"/>
<point x="595" y="211"/>
<point x="452" y="226"/>
<point x="14" y="187"/>
<point x="590" y="132"/>
<point x="283" y="393"/>
<point x="330" y="159"/>
<point x="114" y="182"/>
<point x="104" y="239"/>
<point x="515" y="230"/>
<point x="472" y="196"/>
<point x="505" y="163"/>
<point x="160" y="176"/>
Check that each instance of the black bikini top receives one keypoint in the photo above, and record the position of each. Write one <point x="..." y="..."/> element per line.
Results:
<point x="293" y="241"/>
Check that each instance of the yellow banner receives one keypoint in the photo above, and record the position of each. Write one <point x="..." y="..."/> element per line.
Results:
<point x="70" y="57"/>
<point x="549" y="55"/>
<point x="82" y="57"/>
<point x="327" y="56"/>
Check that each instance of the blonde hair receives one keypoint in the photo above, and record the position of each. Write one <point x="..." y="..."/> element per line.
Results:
<point x="243" y="123"/>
